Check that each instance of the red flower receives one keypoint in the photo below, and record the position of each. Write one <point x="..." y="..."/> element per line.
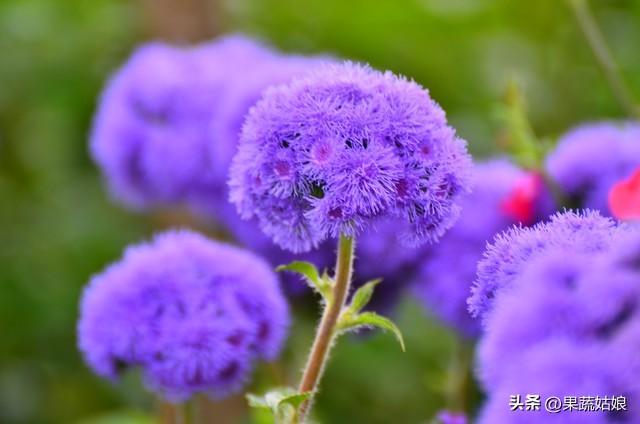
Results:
<point x="624" y="197"/>
<point x="521" y="202"/>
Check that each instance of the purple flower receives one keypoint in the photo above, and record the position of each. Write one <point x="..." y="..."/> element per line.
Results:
<point x="152" y="130"/>
<point x="504" y="260"/>
<point x="546" y="303"/>
<point x="570" y="327"/>
<point x="191" y="313"/>
<point x="590" y="159"/>
<point x="337" y="150"/>
<point x="448" y="269"/>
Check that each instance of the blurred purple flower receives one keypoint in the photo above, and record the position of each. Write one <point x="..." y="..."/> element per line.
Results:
<point x="504" y="260"/>
<point x="343" y="147"/>
<point x="591" y="158"/>
<point x="191" y="313"/>
<point x="570" y="327"/>
<point x="152" y="133"/>
<point x="545" y="304"/>
<point x="448" y="269"/>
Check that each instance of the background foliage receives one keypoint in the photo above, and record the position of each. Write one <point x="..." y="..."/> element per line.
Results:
<point x="57" y="225"/>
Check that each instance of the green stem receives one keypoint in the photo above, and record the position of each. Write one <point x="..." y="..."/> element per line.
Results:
<point x="603" y="56"/>
<point x="171" y="414"/>
<point x="199" y="409"/>
<point x="327" y="328"/>
<point x="460" y="376"/>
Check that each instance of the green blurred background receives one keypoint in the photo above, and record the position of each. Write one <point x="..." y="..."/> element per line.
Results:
<point x="57" y="225"/>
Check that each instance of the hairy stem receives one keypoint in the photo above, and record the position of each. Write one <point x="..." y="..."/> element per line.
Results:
<point x="171" y="414"/>
<point x="603" y="56"/>
<point x="327" y="328"/>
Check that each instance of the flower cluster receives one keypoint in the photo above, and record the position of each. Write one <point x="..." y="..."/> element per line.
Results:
<point x="342" y="148"/>
<point x="590" y="159"/>
<point x="184" y="157"/>
<point x="448" y="269"/>
<point x="193" y="314"/>
<point x="554" y="332"/>
<point x="580" y="232"/>
<point x="168" y="125"/>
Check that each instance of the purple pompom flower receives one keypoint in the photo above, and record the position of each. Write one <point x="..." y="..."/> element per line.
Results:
<point x="504" y="259"/>
<point x="151" y="133"/>
<point x="590" y="159"/>
<point x="334" y="151"/>
<point x="570" y="327"/>
<point x="448" y="270"/>
<point x="545" y="304"/>
<point x="193" y="314"/>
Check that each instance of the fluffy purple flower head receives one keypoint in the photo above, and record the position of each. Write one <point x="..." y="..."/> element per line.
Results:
<point x="590" y="159"/>
<point x="570" y="327"/>
<point x="504" y="259"/>
<point x="151" y="131"/>
<point x="589" y="300"/>
<point x="547" y="303"/>
<point x="336" y="150"/>
<point x="448" y="270"/>
<point x="193" y="314"/>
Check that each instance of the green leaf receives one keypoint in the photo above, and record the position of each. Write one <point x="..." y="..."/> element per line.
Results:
<point x="283" y="403"/>
<point x="295" y="399"/>
<point x="362" y="296"/>
<point x="256" y="401"/>
<point x="308" y="270"/>
<point x="370" y="319"/>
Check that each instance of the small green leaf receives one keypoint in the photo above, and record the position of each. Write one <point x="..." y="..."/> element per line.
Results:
<point x="296" y="399"/>
<point x="283" y="403"/>
<point x="308" y="270"/>
<point x="256" y="401"/>
<point x="362" y="296"/>
<point x="370" y="319"/>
